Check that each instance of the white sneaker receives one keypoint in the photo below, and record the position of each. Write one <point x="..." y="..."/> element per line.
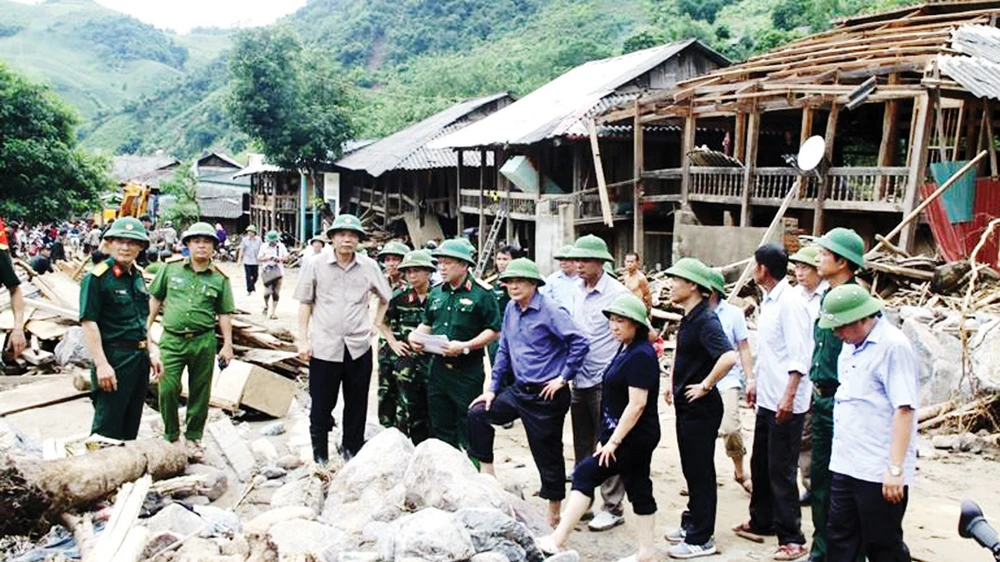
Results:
<point x="684" y="550"/>
<point x="676" y="536"/>
<point x="605" y="520"/>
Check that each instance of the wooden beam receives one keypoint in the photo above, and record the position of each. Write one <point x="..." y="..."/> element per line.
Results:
<point x="805" y="131"/>
<point x="602" y="189"/>
<point x="638" y="157"/>
<point x="988" y="122"/>
<point x="482" y="199"/>
<point x="890" y="138"/>
<point x="919" y="137"/>
<point x="740" y="136"/>
<point x="459" y="219"/>
<point x="745" y="276"/>
<point x="687" y="145"/>
<point x="829" y="137"/>
<point x="753" y="132"/>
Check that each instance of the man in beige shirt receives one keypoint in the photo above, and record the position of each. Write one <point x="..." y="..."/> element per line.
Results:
<point x="635" y="280"/>
<point x="334" y="294"/>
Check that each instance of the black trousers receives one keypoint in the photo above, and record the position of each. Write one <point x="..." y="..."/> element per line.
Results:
<point x="325" y="378"/>
<point x="632" y="462"/>
<point x="543" y="424"/>
<point x="863" y="523"/>
<point x="697" y="428"/>
<point x="774" y="503"/>
<point x="250" y="272"/>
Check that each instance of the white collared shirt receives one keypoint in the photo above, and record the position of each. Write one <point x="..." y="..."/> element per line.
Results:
<point x="588" y="312"/>
<point x="784" y="345"/>
<point x="814" y="298"/>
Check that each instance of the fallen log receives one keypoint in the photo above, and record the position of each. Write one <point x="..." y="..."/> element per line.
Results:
<point x="935" y="410"/>
<point x="38" y="492"/>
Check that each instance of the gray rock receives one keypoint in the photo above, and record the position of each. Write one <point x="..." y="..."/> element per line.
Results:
<point x="493" y="530"/>
<point x="985" y="354"/>
<point x="948" y="442"/>
<point x="264" y="451"/>
<point x="273" y="429"/>
<point x="433" y="535"/>
<point x="566" y="556"/>
<point x="918" y="313"/>
<point x="157" y="542"/>
<point x="940" y="356"/>
<point x="196" y="549"/>
<point x="176" y="519"/>
<point x="380" y="465"/>
<point x="272" y="471"/>
<point x="218" y="483"/>
<point x="262" y="523"/>
<point x="357" y="556"/>
<point x="353" y="517"/>
<point x="193" y="501"/>
<point x="299" y="537"/>
<point x="308" y="491"/>
<point x="489" y="557"/>
<point x="289" y="462"/>
<point x="223" y="522"/>
<point x="443" y="477"/>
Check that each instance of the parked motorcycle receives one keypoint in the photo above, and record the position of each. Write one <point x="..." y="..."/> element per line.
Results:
<point x="972" y="525"/>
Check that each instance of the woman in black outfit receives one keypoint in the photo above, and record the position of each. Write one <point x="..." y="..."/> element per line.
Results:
<point x="630" y="430"/>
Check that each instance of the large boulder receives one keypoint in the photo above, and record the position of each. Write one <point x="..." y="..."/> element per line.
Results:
<point x="299" y="539"/>
<point x="176" y="519"/>
<point x="262" y="523"/>
<point x="494" y="530"/>
<point x="308" y="490"/>
<point x="379" y="466"/>
<point x="940" y="356"/>
<point x="430" y="534"/>
<point x="985" y="353"/>
<point x="443" y="477"/>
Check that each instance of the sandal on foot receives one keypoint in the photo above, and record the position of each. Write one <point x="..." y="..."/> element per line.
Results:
<point x="791" y="551"/>
<point x="745" y="531"/>
<point x="746" y="483"/>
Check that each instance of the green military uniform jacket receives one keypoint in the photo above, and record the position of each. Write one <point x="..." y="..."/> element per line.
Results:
<point x="826" y="350"/>
<point x="462" y="313"/>
<point x="404" y="314"/>
<point x="195" y="297"/>
<point x="117" y="300"/>
<point x="7" y="275"/>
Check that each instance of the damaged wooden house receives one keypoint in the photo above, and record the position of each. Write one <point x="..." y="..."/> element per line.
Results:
<point x="547" y="185"/>
<point x="903" y="98"/>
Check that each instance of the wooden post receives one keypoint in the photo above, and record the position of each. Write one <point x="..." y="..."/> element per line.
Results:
<point x="753" y="131"/>
<point x="498" y="158"/>
<point x="824" y="182"/>
<point x="920" y="136"/>
<point x="602" y="187"/>
<point x="459" y="219"/>
<point x="740" y="136"/>
<point x="638" y="221"/>
<point x="482" y="199"/>
<point x="988" y="127"/>
<point x="890" y="141"/>
<point x="805" y="131"/>
<point x="687" y="145"/>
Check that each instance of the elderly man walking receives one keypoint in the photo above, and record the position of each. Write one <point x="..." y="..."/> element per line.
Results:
<point x="596" y="291"/>
<point x="467" y="314"/>
<point x="335" y="334"/>
<point x="781" y="393"/>
<point x="543" y="348"/>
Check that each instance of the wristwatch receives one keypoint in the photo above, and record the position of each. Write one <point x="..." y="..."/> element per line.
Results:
<point x="895" y="470"/>
<point x="465" y="350"/>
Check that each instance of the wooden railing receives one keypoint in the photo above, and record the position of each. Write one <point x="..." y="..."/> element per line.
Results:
<point x="518" y="204"/>
<point x="721" y="182"/>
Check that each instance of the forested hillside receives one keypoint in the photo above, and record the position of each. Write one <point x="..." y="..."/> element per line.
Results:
<point x="408" y="59"/>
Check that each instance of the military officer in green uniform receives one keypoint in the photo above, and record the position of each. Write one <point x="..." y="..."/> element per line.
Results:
<point x="410" y="370"/>
<point x="467" y="313"/>
<point x="390" y="256"/>
<point x="193" y="292"/>
<point x="9" y="279"/>
<point x="841" y="254"/>
<point x="114" y="305"/>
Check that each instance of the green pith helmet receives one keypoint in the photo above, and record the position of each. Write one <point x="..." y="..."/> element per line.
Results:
<point x="456" y="248"/>
<point x="564" y="252"/>
<point x="693" y="270"/>
<point x="346" y="222"/>
<point x="251" y="228"/>
<point x="590" y="247"/>
<point x="523" y="268"/>
<point x="628" y="306"/>
<point x="200" y="229"/>
<point x="417" y="259"/>
<point x="845" y="243"/>
<point x="394" y="248"/>
<point x="718" y="281"/>
<point x="319" y="239"/>
<point x="845" y="304"/>
<point x="127" y="228"/>
<point x="272" y="236"/>
<point x="609" y="269"/>
<point x="808" y="255"/>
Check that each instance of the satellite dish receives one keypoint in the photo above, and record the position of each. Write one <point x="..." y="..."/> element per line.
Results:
<point x="811" y="153"/>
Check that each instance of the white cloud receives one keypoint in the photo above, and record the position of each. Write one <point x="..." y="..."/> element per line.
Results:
<point x="182" y="15"/>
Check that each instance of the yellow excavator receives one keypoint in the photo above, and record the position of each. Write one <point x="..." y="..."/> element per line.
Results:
<point x="135" y="197"/>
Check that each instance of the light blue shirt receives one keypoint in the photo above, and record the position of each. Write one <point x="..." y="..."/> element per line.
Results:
<point x="588" y="313"/>
<point x="784" y="344"/>
<point x="734" y="324"/>
<point x="561" y="288"/>
<point x="876" y="379"/>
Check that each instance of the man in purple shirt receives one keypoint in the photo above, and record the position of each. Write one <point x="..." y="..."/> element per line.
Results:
<point x="544" y="348"/>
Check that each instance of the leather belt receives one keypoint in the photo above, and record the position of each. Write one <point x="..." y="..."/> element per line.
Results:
<point x="530" y="388"/>
<point x="189" y="335"/>
<point x="825" y="391"/>
<point x="125" y="344"/>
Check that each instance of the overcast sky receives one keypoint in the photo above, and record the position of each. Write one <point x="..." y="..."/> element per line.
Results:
<point x="182" y="15"/>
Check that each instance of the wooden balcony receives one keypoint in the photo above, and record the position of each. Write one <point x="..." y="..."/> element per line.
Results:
<point x="520" y="205"/>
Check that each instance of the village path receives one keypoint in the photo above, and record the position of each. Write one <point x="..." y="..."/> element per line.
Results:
<point x="930" y="527"/>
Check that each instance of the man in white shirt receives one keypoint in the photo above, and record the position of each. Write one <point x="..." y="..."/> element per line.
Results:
<point x="561" y="284"/>
<point x="781" y="392"/>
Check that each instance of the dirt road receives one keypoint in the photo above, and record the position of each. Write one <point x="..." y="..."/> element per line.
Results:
<point x="930" y="525"/>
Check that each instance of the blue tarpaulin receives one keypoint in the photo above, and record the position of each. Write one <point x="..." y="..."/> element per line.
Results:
<point x="960" y="199"/>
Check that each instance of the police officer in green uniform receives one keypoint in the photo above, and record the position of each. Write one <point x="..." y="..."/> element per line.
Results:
<point x="9" y="279"/>
<point x="467" y="313"/>
<point x="841" y="254"/>
<point x="390" y="256"/>
<point x="410" y="370"/>
<point x="193" y="292"/>
<point x="114" y="305"/>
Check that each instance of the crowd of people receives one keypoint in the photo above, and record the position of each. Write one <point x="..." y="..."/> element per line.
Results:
<point x="828" y="370"/>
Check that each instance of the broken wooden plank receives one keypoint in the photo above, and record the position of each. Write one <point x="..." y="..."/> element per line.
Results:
<point x="37" y="395"/>
<point x="602" y="188"/>
<point x="68" y="313"/>
<point x="237" y="452"/>
<point x="46" y="329"/>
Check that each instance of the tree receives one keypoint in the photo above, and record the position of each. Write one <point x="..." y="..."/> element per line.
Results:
<point x="289" y="99"/>
<point x="183" y="186"/>
<point x="43" y="174"/>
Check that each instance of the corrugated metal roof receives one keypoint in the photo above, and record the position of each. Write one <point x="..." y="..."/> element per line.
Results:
<point x="428" y="159"/>
<point x="979" y="72"/>
<point x="558" y="108"/>
<point x="131" y="166"/>
<point x="257" y="165"/>
<point x="410" y="144"/>
<point x="220" y="201"/>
